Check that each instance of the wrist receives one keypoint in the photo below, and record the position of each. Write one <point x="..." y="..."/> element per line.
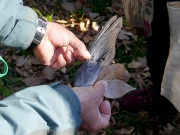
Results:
<point x="40" y="32"/>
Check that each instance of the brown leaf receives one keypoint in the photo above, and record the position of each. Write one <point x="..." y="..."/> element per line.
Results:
<point x="134" y="64"/>
<point x="134" y="37"/>
<point x="95" y="27"/>
<point x="34" y="61"/>
<point x="32" y="81"/>
<point x="30" y="70"/>
<point x="20" y="61"/>
<point x="79" y="35"/>
<point x="117" y="89"/>
<point x="49" y="73"/>
<point x="116" y="5"/>
<point x="2" y="53"/>
<point x="114" y="71"/>
<point x="99" y="19"/>
<point x="127" y="131"/>
<point x="69" y="6"/>
<point x="140" y="81"/>
<point x="19" y="71"/>
<point x="151" y="132"/>
<point x="92" y="16"/>
<point x="87" y="38"/>
<point x="137" y="31"/>
<point x="143" y="61"/>
<point x="27" y="63"/>
<point x="169" y="127"/>
<point x="117" y="132"/>
<point x="61" y="21"/>
<point x="82" y="27"/>
<point x="104" y="133"/>
<point x="121" y="36"/>
<point x="113" y="119"/>
<point x="63" y="70"/>
<point x="15" y="57"/>
<point x="126" y="32"/>
<point x="78" y="4"/>
<point x="26" y="73"/>
<point x="116" y="104"/>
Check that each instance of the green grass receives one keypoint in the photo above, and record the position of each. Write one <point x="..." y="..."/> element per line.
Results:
<point x="138" y="121"/>
<point x="8" y="82"/>
<point x="126" y="53"/>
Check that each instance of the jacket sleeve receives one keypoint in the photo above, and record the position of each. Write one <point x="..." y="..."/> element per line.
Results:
<point x="41" y="110"/>
<point x="18" y="24"/>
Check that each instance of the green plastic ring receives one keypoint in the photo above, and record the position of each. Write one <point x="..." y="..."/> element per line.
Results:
<point x="5" y="67"/>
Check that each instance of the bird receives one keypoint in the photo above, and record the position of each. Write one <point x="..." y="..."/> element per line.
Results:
<point x="102" y="53"/>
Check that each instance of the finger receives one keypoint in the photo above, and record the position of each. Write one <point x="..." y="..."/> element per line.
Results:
<point x="81" y="51"/>
<point x="101" y="87"/>
<point x="105" y="110"/>
<point x="56" y="53"/>
<point x="69" y="57"/>
<point x="60" y="62"/>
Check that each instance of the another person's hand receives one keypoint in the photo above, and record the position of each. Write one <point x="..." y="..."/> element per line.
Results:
<point x="60" y="47"/>
<point x="95" y="112"/>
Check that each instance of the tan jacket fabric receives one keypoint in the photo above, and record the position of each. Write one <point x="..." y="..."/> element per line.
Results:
<point x="170" y="87"/>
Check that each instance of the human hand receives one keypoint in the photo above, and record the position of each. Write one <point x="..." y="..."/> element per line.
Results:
<point x="95" y="112"/>
<point x="60" y="47"/>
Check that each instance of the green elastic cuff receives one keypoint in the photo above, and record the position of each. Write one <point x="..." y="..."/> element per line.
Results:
<point x="5" y="67"/>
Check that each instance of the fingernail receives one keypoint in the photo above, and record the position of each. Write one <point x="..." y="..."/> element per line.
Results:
<point x="87" y="55"/>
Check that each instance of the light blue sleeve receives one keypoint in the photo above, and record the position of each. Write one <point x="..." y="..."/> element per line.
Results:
<point x="41" y="110"/>
<point x="18" y="24"/>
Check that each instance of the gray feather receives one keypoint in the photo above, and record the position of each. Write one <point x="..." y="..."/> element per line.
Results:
<point x="102" y="51"/>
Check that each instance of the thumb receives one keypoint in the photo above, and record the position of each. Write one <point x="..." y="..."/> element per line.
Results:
<point x="105" y="110"/>
<point x="100" y="87"/>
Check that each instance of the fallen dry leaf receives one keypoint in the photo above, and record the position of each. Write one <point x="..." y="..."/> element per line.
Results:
<point x="143" y="61"/>
<point x="27" y="63"/>
<point x="82" y="26"/>
<point x="69" y="6"/>
<point x="134" y="64"/>
<point x="61" y="21"/>
<point x="126" y="32"/>
<point x="20" y="62"/>
<point x="78" y="4"/>
<point x="14" y="57"/>
<point x="114" y="71"/>
<point x="104" y="133"/>
<point x="49" y="73"/>
<point x="95" y="27"/>
<point x="63" y="70"/>
<point x="137" y="31"/>
<point x="140" y="81"/>
<point x="34" y="61"/>
<point x="134" y="37"/>
<point x="117" y="132"/>
<point x="113" y="119"/>
<point x="33" y="81"/>
<point x="26" y="73"/>
<point x="19" y="71"/>
<point x="169" y="127"/>
<point x="122" y="36"/>
<point x="87" y="38"/>
<point x="92" y="16"/>
<point x="127" y="131"/>
<point x="117" y="89"/>
<point x="110" y="9"/>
